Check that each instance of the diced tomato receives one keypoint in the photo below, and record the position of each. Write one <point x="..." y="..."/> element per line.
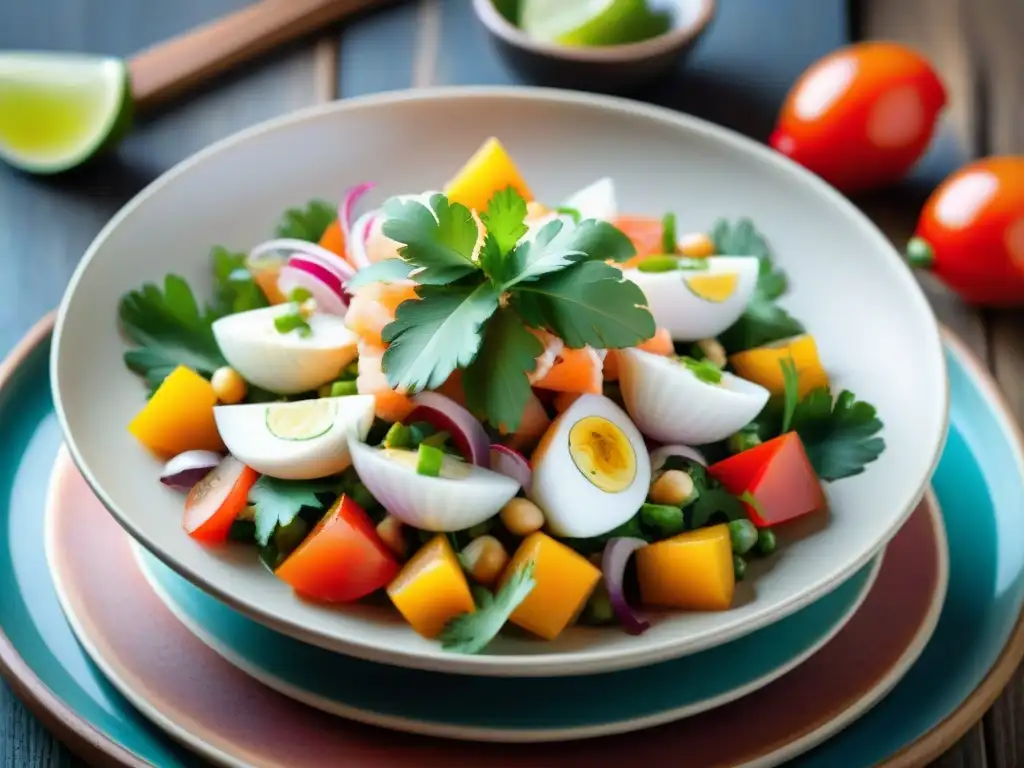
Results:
<point x="775" y="480"/>
<point x="215" y="502"/>
<point x="342" y="560"/>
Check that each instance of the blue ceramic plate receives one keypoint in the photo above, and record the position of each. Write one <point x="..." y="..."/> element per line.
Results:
<point x="978" y="644"/>
<point x="561" y="708"/>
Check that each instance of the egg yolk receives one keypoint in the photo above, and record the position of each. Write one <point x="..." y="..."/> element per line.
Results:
<point x="602" y="453"/>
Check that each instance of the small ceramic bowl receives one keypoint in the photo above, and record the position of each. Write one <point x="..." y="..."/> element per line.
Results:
<point x="608" y="69"/>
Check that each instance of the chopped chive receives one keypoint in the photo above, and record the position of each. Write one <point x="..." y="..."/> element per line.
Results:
<point x="668" y="234"/>
<point x="429" y="461"/>
<point x="343" y="389"/>
<point x="398" y="436"/>
<point x="658" y="264"/>
<point x="299" y="295"/>
<point x="576" y="216"/>
<point x="292" y="322"/>
<point x="703" y="370"/>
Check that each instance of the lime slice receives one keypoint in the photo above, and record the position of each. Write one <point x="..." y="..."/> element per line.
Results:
<point x="58" y="110"/>
<point x="302" y="420"/>
<point x="591" y="22"/>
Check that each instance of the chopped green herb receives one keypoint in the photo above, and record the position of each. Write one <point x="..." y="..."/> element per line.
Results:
<point x="398" y="436"/>
<point x="472" y="632"/>
<point x="706" y="371"/>
<point x="308" y="223"/>
<point x="791" y="391"/>
<point x="344" y="389"/>
<point x="278" y="502"/>
<point x="293" y="322"/>
<point x="572" y="213"/>
<point x="668" y="234"/>
<point x="299" y="295"/>
<point x="659" y="264"/>
<point x="840" y="438"/>
<point x="429" y="460"/>
<point x="234" y="289"/>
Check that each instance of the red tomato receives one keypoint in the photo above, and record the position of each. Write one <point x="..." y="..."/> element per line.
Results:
<point x="215" y="502"/>
<point x="775" y="480"/>
<point x="861" y="116"/>
<point x="971" y="232"/>
<point x="343" y="559"/>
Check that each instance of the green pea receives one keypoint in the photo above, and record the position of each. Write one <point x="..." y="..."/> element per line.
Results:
<point x="658" y="264"/>
<point x="743" y="534"/>
<point x="742" y="441"/>
<point x="766" y="541"/>
<point x="344" y="389"/>
<point x="739" y="567"/>
<point x="667" y="520"/>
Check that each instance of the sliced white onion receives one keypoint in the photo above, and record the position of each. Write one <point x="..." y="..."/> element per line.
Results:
<point x="511" y="463"/>
<point x="323" y="286"/>
<point x="348" y="206"/>
<point x="446" y="415"/>
<point x="660" y="455"/>
<point x="356" y="245"/>
<point x="188" y="468"/>
<point x="292" y="245"/>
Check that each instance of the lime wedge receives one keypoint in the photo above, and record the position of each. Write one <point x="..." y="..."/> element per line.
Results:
<point x="301" y="420"/>
<point x="591" y="22"/>
<point x="58" y="110"/>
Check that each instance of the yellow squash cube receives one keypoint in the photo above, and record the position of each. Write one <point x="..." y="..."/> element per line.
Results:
<point x="763" y="365"/>
<point x="564" y="580"/>
<point x="488" y="171"/>
<point x="179" y="416"/>
<point x="693" y="570"/>
<point x="431" y="589"/>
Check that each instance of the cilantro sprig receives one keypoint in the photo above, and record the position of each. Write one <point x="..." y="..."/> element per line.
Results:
<point x="307" y="223"/>
<point x="477" y="299"/>
<point x="471" y="632"/>
<point x="277" y="503"/>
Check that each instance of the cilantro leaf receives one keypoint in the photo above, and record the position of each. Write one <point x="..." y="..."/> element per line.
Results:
<point x="235" y="290"/>
<point x="840" y="438"/>
<point x="432" y="337"/>
<point x="558" y="246"/>
<point x="438" y="239"/>
<point x="385" y="271"/>
<point x="496" y="383"/>
<point x="308" y="223"/>
<point x="763" y="321"/>
<point x="277" y="502"/>
<point x="471" y="632"/>
<point x="170" y="330"/>
<point x="587" y="304"/>
<point x="713" y="501"/>
<point x="505" y="218"/>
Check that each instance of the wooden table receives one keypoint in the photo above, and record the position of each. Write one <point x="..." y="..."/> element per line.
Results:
<point x="46" y="225"/>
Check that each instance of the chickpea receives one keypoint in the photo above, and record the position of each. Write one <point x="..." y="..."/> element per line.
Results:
<point x="673" y="488"/>
<point x="713" y="351"/>
<point x="390" y="531"/>
<point x="229" y="387"/>
<point x="522" y="517"/>
<point x="696" y="245"/>
<point x="485" y="559"/>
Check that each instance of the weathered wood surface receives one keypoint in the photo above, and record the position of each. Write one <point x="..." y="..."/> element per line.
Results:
<point x="737" y="78"/>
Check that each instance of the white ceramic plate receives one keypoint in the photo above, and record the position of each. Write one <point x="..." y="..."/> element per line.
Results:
<point x="876" y="333"/>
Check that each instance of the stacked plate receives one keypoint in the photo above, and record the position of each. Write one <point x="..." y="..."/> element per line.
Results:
<point x="220" y="655"/>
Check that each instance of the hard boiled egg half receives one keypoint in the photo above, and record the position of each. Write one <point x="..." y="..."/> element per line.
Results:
<point x="461" y="496"/>
<point x="697" y="298"/>
<point x="676" y="400"/>
<point x="285" y="363"/>
<point x="301" y="440"/>
<point x="591" y="470"/>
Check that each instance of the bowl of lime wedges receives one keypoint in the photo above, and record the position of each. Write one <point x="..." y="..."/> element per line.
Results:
<point x="612" y="46"/>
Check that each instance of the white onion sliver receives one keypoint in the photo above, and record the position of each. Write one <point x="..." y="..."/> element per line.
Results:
<point x="188" y="468"/>
<point x="356" y="246"/>
<point x="511" y="463"/>
<point x="348" y="205"/>
<point x="293" y="245"/>
<point x="660" y="455"/>
<point x="327" y="300"/>
<point x="467" y="433"/>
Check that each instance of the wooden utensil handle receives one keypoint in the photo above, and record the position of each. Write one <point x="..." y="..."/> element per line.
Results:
<point x="170" y="68"/>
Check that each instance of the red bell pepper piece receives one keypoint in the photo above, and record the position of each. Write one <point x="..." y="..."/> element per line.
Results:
<point x="775" y="480"/>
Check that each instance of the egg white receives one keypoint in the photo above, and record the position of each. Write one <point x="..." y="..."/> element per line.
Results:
<point x="573" y="506"/>
<point x="686" y="316"/>
<point x="463" y="499"/>
<point x="671" y="405"/>
<point x="247" y="437"/>
<point x="595" y="201"/>
<point x="285" y="363"/>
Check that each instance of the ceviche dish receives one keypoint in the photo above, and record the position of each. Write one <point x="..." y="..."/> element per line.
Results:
<point x="492" y="411"/>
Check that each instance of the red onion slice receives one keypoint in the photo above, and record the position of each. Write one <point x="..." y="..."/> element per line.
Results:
<point x="188" y="468"/>
<point x="660" y="455"/>
<point x="348" y="206"/>
<point x="613" y="563"/>
<point x="445" y="414"/>
<point x="331" y="260"/>
<point x="511" y="463"/>
<point x="323" y="286"/>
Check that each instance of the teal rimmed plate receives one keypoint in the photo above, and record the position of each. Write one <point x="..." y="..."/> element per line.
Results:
<point x="979" y="484"/>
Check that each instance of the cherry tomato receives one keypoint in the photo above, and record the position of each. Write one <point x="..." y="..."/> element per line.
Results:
<point x="861" y="116"/>
<point x="215" y="502"/>
<point x="342" y="559"/>
<point x="775" y="480"/>
<point x="971" y="232"/>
